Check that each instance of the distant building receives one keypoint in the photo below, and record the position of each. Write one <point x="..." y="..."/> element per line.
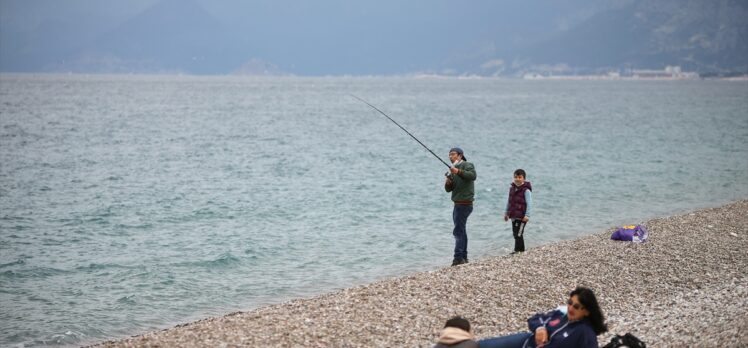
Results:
<point x="669" y="73"/>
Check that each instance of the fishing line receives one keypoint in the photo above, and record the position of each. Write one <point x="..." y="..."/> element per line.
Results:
<point x="404" y="130"/>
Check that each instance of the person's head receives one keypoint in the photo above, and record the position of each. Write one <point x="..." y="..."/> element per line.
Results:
<point x="583" y="304"/>
<point x="456" y="154"/>
<point x="519" y="177"/>
<point x="458" y="322"/>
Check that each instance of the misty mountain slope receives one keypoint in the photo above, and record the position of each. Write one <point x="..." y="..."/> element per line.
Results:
<point x="701" y="34"/>
<point x="695" y="34"/>
<point x="171" y="36"/>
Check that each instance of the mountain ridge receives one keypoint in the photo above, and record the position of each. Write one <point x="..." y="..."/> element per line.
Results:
<point x="334" y="37"/>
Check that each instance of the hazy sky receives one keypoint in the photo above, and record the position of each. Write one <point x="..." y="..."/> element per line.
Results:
<point x="317" y="37"/>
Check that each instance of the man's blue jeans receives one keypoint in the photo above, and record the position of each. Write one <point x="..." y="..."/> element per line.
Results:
<point x="509" y="341"/>
<point x="460" y="215"/>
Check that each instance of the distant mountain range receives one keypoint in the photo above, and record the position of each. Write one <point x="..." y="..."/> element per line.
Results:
<point x="334" y="37"/>
<point x="704" y="36"/>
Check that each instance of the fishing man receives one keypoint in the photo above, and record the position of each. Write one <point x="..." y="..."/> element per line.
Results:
<point x="460" y="181"/>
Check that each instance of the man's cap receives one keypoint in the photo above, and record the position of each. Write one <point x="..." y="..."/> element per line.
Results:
<point x="459" y="151"/>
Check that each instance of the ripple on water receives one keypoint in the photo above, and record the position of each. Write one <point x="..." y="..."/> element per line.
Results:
<point x="13" y="263"/>
<point x="224" y="260"/>
<point x="33" y="273"/>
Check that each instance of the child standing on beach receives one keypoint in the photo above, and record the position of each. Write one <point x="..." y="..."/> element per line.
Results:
<point x="518" y="207"/>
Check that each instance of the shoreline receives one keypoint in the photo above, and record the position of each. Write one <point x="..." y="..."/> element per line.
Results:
<point x="684" y="287"/>
<point x="532" y="77"/>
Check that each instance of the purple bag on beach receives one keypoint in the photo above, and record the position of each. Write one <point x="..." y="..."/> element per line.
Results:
<point x="631" y="233"/>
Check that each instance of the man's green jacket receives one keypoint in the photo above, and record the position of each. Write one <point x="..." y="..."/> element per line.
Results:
<point x="462" y="187"/>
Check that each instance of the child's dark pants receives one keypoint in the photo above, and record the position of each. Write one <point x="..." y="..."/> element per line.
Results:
<point x="518" y="230"/>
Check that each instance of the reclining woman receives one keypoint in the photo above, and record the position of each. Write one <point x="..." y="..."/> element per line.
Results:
<point x="577" y="328"/>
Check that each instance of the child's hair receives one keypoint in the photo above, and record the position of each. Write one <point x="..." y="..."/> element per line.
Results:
<point x="458" y="322"/>
<point x="521" y="172"/>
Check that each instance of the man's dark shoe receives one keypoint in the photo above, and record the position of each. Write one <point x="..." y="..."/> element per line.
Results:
<point x="456" y="262"/>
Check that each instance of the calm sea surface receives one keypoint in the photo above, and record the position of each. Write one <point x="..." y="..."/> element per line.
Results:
<point x="132" y="203"/>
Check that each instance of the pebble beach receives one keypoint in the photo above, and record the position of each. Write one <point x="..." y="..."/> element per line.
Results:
<point x="685" y="287"/>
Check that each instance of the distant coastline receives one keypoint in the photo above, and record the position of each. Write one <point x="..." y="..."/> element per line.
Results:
<point x="670" y="73"/>
<point x="527" y="76"/>
<point x="631" y="78"/>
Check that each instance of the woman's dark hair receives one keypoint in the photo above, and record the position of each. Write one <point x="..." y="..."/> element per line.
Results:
<point x="589" y="301"/>
<point x="520" y="172"/>
<point x="458" y="322"/>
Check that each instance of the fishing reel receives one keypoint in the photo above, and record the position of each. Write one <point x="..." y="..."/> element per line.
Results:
<point x="449" y="174"/>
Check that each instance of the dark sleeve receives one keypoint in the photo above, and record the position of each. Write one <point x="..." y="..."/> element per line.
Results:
<point x="588" y="338"/>
<point x="540" y="319"/>
<point x="581" y="337"/>
<point x="467" y="171"/>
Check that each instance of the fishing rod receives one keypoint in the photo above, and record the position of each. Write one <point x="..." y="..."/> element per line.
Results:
<point x="405" y="130"/>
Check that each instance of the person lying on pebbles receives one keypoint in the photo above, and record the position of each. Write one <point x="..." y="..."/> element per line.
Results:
<point x="575" y="326"/>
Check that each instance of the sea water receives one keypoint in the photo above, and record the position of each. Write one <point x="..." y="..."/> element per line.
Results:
<point x="134" y="203"/>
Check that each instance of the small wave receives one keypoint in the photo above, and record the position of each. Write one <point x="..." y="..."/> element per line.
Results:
<point x="36" y="272"/>
<point x="225" y="259"/>
<point x="13" y="263"/>
<point x="69" y="337"/>
<point x="222" y="261"/>
<point x="67" y="222"/>
<point x="407" y="245"/>
<point x="257" y="251"/>
<point x="204" y="213"/>
<point x="103" y="266"/>
<point x="201" y="214"/>
<point x="144" y="226"/>
<point x="45" y="301"/>
<point x="21" y="228"/>
<point x="127" y="300"/>
<point x="14" y="218"/>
